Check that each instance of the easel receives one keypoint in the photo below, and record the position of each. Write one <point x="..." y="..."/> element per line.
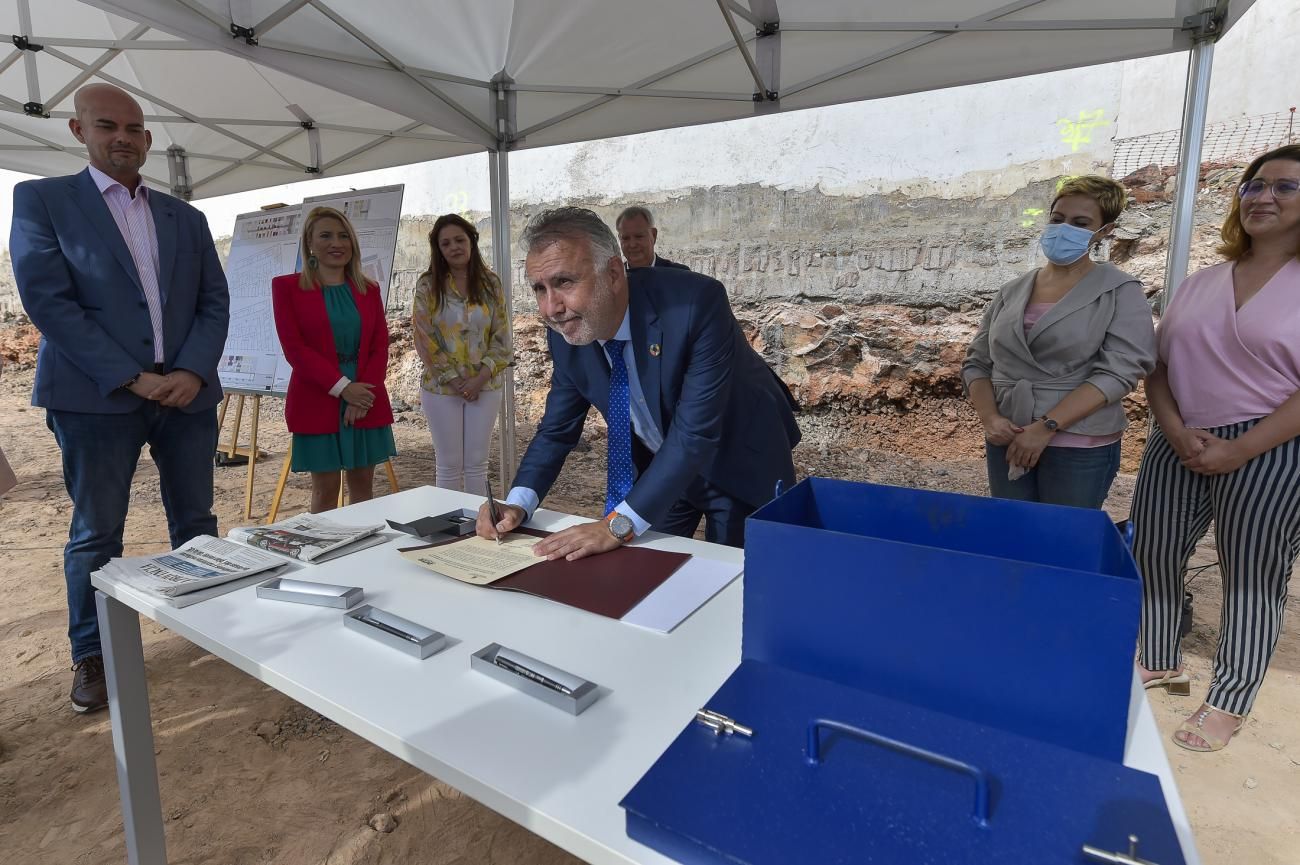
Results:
<point x="284" y="477"/>
<point x="234" y="448"/>
<point x="251" y="452"/>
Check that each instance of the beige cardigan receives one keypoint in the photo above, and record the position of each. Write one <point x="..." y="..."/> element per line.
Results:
<point x="1100" y="333"/>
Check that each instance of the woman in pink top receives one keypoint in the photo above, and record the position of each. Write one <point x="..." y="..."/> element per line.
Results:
<point x="1226" y="400"/>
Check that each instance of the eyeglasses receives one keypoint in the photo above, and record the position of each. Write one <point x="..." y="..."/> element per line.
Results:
<point x="1283" y="188"/>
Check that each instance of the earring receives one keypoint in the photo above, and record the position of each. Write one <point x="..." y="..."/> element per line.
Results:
<point x="312" y="261"/>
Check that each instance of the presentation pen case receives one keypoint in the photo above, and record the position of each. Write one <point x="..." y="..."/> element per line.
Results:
<point x="305" y="592"/>
<point x="395" y="632"/>
<point x="561" y="689"/>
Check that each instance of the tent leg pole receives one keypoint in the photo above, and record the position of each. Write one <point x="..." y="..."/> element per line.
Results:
<point x="502" y="263"/>
<point x="1195" y="102"/>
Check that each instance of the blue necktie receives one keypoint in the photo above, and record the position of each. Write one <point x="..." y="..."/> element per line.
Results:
<point x="618" y="473"/>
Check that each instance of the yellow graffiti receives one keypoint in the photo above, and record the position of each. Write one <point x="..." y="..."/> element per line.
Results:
<point x="1077" y="132"/>
<point x="1064" y="180"/>
<point x="458" y="202"/>
<point x="1029" y="216"/>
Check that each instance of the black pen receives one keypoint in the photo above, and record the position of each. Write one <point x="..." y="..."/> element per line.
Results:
<point x="492" y="511"/>
<point x="396" y="632"/>
<point x="521" y="670"/>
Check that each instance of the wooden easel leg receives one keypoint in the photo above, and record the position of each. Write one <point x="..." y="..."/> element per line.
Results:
<point x="343" y="484"/>
<point x="234" y="435"/>
<point x="252" y="460"/>
<point x="221" y="414"/>
<point x="279" y="484"/>
<point x="392" y="477"/>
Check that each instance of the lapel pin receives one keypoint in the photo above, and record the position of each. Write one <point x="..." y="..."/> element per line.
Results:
<point x="654" y="349"/>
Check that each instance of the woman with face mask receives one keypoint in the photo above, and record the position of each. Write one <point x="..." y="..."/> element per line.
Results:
<point x="1056" y="352"/>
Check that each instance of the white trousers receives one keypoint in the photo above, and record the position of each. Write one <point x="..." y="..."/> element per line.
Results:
<point x="462" y="437"/>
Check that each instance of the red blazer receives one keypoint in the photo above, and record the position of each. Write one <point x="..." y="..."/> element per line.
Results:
<point x="308" y="344"/>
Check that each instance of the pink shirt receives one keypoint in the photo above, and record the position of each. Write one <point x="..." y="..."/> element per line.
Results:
<point x="1063" y="439"/>
<point x="1228" y="365"/>
<point x="135" y="221"/>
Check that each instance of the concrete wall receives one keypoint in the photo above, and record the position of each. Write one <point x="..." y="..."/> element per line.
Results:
<point x="805" y="245"/>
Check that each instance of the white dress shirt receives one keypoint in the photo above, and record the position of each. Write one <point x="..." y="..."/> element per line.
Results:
<point x="135" y="221"/>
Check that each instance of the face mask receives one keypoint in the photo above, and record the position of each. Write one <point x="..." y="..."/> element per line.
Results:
<point x="1064" y="244"/>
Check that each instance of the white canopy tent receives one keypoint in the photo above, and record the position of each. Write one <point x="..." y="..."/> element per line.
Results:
<point x="245" y="94"/>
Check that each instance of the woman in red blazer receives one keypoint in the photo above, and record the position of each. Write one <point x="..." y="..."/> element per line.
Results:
<point x="330" y="319"/>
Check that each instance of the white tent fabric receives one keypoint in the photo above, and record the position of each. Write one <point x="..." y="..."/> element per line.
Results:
<point x="240" y="124"/>
<point x="398" y="81"/>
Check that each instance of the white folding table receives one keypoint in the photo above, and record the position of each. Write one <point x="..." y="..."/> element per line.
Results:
<point x="558" y="775"/>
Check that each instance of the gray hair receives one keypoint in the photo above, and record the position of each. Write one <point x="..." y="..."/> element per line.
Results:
<point x="636" y="211"/>
<point x="567" y="223"/>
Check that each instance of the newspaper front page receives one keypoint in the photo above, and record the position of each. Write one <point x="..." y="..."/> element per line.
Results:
<point x="306" y="537"/>
<point x="200" y="563"/>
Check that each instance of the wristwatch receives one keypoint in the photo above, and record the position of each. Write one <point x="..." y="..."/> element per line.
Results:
<point x="126" y="385"/>
<point x="620" y="526"/>
<point x="1049" y="423"/>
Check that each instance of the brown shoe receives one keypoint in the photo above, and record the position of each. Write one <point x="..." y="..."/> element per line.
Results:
<point x="89" y="690"/>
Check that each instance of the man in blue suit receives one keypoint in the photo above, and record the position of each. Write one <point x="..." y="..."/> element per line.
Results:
<point x="124" y="284"/>
<point x="637" y="236"/>
<point x="698" y="424"/>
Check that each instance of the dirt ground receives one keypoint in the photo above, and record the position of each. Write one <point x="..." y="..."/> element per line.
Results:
<point x="248" y="776"/>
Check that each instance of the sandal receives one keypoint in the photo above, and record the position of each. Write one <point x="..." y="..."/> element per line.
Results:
<point x="1176" y="682"/>
<point x="1195" y="726"/>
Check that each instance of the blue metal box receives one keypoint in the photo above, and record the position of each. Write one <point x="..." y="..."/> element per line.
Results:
<point x="930" y="678"/>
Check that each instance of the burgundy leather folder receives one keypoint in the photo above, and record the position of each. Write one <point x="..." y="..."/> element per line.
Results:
<point x="609" y="584"/>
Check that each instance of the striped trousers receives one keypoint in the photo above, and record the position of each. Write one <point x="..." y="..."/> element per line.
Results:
<point x="1256" y="514"/>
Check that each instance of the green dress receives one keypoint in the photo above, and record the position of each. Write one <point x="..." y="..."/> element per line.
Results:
<point x="349" y="448"/>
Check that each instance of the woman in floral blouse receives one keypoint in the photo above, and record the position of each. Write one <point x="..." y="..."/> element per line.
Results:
<point x="461" y="335"/>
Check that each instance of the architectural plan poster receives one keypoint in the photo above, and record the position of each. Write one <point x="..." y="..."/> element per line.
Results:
<point x="265" y="245"/>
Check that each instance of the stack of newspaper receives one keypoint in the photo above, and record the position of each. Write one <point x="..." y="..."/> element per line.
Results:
<point x="200" y="563"/>
<point x="309" y="538"/>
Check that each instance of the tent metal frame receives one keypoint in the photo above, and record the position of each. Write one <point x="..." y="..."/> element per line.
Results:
<point x="1207" y="30"/>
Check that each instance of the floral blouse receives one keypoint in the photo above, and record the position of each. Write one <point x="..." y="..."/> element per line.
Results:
<point x="461" y="338"/>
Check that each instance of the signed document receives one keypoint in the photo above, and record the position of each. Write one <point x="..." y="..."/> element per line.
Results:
<point x="479" y="561"/>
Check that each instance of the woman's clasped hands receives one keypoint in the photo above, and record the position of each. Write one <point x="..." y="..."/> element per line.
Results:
<point x="469" y="386"/>
<point x="359" y="399"/>
<point x="1207" y="454"/>
<point x="1028" y="445"/>
<point x="1000" y="431"/>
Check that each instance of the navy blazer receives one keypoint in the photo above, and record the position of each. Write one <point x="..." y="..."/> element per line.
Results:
<point x="722" y="412"/>
<point x="80" y="288"/>
<point x="660" y="261"/>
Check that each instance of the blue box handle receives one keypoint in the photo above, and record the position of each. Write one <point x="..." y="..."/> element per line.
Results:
<point x="980" y="814"/>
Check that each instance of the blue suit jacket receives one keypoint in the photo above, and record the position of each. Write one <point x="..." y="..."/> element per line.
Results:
<point x="723" y="413"/>
<point x="81" y="290"/>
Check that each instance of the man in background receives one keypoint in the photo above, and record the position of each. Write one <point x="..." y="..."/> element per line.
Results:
<point x="124" y="284"/>
<point x="637" y="235"/>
